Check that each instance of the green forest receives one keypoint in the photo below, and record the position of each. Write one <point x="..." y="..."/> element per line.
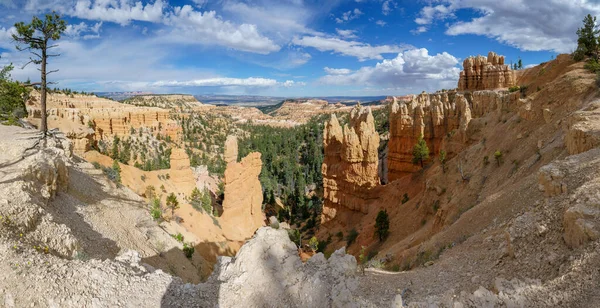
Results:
<point x="292" y="159"/>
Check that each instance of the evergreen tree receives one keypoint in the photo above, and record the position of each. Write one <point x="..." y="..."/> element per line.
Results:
<point x="442" y="159"/>
<point x="172" y="203"/>
<point x="382" y="225"/>
<point x="420" y="151"/>
<point x="36" y="38"/>
<point x="587" y="37"/>
<point x="520" y="64"/>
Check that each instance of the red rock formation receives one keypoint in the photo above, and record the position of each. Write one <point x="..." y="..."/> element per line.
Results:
<point x="242" y="206"/>
<point x="431" y="115"/>
<point x="350" y="166"/>
<point x="481" y="73"/>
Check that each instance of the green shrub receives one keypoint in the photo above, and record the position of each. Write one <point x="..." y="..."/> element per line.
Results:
<point x="436" y="205"/>
<point x="498" y="157"/>
<point x="188" y="250"/>
<point x="340" y="235"/>
<point x="514" y="89"/>
<point x="178" y="237"/>
<point x="155" y="210"/>
<point x="313" y="243"/>
<point x="295" y="236"/>
<point x="351" y="237"/>
<point x="405" y="198"/>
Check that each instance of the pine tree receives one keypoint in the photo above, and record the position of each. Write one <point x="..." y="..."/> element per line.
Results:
<point x="520" y="64"/>
<point x="382" y="225"/>
<point x="36" y="38"/>
<point x="442" y="159"/>
<point x="587" y="37"/>
<point x="172" y="203"/>
<point x="420" y="151"/>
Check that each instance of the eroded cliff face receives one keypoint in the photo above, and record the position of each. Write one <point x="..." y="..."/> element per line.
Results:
<point x="481" y="73"/>
<point x="350" y="165"/>
<point x="432" y="116"/>
<point x="242" y="206"/>
<point x="87" y="119"/>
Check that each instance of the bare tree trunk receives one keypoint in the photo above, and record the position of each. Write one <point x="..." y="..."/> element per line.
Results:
<point x="44" y="125"/>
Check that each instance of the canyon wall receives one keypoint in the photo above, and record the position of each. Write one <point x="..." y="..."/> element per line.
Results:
<point x="432" y="116"/>
<point x="350" y="165"/>
<point x="242" y="206"/>
<point x="481" y="73"/>
<point x="87" y="119"/>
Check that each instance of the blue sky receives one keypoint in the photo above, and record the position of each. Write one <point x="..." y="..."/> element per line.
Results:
<point x="289" y="47"/>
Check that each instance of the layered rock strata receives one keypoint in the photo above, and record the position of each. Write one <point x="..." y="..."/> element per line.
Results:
<point x="436" y="117"/>
<point x="350" y="165"/>
<point x="242" y="206"/>
<point x="481" y="73"/>
<point x="87" y="119"/>
<point x="432" y="116"/>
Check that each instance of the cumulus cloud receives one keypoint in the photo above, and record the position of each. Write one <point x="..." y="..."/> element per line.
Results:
<point x="208" y="28"/>
<point x="349" y="34"/>
<point x="337" y="71"/>
<point x="387" y="7"/>
<point x="188" y="25"/>
<point x="528" y="25"/>
<point x="83" y="30"/>
<point x="413" y="68"/>
<point x="6" y="37"/>
<point x="380" y="23"/>
<point x="121" y="12"/>
<point x="362" y="51"/>
<point x="348" y="16"/>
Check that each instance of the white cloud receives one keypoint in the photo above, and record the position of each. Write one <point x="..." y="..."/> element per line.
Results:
<point x="337" y="71"/>
<point x="413" y="69"/>
<point x="362" y="51"/>
<point x="348" y="16"/>
<point x="528" y="25"/>
<point x="121" y="12"/>
<point x="200" y="3"/>
<point x="291" y="83"/>
<point x="6" y="37"/>
<point x="349" y="34"/>
<point x="380" y="23"/>
<point x="218" y="82"/>
<point x="83" y="30"/>
<point x="281" y="19"/>
<point x="387" y="7"/>
<point x="207" y="28"/>
<point x="430" y="13"/>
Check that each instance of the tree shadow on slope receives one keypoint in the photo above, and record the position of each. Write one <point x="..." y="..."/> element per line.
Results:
<point x="209" y="293"/>
<point x="191" y="270"/>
